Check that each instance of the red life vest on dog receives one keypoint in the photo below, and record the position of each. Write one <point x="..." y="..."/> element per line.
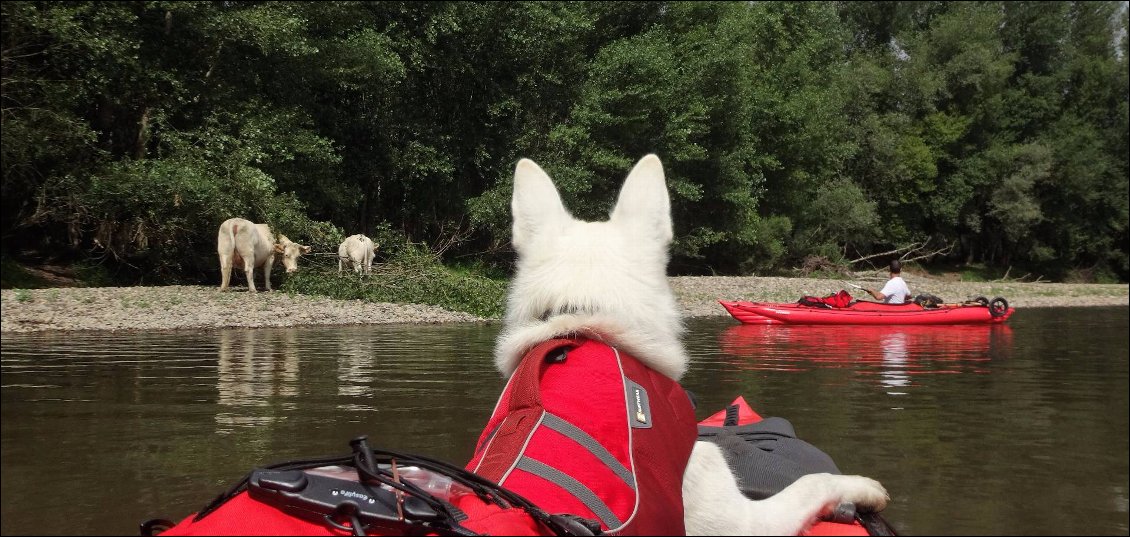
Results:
<point x="586" y="430"/>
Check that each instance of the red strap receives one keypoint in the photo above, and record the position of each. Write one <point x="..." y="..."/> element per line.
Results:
<point x="524" y="413"/>
<point x="527" y="379"/>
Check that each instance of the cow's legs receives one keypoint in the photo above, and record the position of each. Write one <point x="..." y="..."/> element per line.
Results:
<point x="249" y="270"/>
<point x="225" y="271"/>
<point x="270" y="262"/>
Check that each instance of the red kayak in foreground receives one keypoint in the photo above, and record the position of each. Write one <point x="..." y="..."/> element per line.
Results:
<point x="379" y="492"/>
<point x="868" y="313"/>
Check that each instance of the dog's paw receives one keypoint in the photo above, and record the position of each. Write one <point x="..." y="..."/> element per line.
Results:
<point x="864" y="492"/>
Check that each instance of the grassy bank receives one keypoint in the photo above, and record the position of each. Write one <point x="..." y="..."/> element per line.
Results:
<point x="410" y="275"/>
<point x="413" y="276"/>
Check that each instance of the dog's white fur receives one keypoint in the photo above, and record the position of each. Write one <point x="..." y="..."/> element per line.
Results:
<point x="608" y="281"/>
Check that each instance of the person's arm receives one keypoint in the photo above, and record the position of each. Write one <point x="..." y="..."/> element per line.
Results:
<point x="889" y="289"/>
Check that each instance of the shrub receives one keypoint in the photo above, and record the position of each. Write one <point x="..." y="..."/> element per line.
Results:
<point x="412" y="276"/>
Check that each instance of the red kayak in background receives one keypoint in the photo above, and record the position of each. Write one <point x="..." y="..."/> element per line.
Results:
<point x="869" y="313"/>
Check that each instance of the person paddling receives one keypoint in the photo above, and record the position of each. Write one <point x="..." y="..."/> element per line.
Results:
<point x="895" y="291"/>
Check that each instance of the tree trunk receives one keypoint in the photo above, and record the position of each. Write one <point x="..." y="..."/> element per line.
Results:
<point x="142" y="141"/>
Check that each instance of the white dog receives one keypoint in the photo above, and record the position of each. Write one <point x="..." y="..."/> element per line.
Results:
<point x="607" y="281"/>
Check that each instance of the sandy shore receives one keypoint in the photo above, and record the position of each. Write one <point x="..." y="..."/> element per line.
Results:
<point x="194" y="307"/>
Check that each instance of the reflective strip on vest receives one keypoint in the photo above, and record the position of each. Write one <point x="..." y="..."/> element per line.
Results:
<point x="577" y="489"/>
<point x="575" y="434"/>
<point x="566" y="482"/>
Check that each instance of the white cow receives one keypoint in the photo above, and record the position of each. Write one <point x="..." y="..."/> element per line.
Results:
<point x="359" y="251"/>
<point x="247" y="245"/>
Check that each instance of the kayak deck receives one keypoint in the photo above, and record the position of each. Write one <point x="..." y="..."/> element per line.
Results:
<point x="739" y="413"/>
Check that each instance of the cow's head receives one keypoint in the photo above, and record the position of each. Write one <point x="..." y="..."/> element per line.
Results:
<point x="290" y="252"/>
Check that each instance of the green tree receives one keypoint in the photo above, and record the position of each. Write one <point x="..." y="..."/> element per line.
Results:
<point x="159" y="127"/>
<point x="131" y="129"/>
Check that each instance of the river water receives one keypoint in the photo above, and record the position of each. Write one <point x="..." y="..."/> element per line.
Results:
<point x="1014" y="429"/>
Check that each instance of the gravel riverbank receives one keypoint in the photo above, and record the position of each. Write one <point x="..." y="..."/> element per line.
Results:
<point x="196" y="307"/>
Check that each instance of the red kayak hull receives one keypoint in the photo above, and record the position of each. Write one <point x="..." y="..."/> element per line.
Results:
<point x="864" y="313"/>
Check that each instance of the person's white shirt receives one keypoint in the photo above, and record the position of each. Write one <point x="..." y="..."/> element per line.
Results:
<point x="895" y="291"/>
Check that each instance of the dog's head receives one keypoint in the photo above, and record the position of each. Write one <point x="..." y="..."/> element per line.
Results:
<point x="604" y="280"/>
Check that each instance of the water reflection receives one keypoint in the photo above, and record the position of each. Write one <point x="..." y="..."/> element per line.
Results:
<point x="897" y="356"/>
<point x="121" y="427"/>
<point x="254" y="369"/>
<point x="356" y="373"/>
<point x="894" y="361"/>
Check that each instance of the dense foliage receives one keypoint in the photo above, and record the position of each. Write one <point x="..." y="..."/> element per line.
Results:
<point x="788" y="130"/>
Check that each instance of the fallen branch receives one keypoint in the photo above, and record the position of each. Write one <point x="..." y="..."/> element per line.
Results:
<point x="908" y="253"/>
<point x="943" y="250"/>
<point x="461" y="232"/>
<point x="1021" y="279"/>
<point x="906" y="249"/>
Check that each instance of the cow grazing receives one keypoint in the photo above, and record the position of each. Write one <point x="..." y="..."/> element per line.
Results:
<point x="357" y="250"/>
<point x="247" y="245"/>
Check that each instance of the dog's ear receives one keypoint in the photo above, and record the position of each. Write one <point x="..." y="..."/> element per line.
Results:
<point x="643" y="202"/>
<point x="536" y="204"/>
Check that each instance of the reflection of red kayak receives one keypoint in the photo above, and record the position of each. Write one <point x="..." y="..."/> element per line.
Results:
<point x="895" y="357"/>
<point x="938" y="342"/>
<point x="835" y="346"/>
<point x="738" y="416"/>
<point x="864" y="312"/>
